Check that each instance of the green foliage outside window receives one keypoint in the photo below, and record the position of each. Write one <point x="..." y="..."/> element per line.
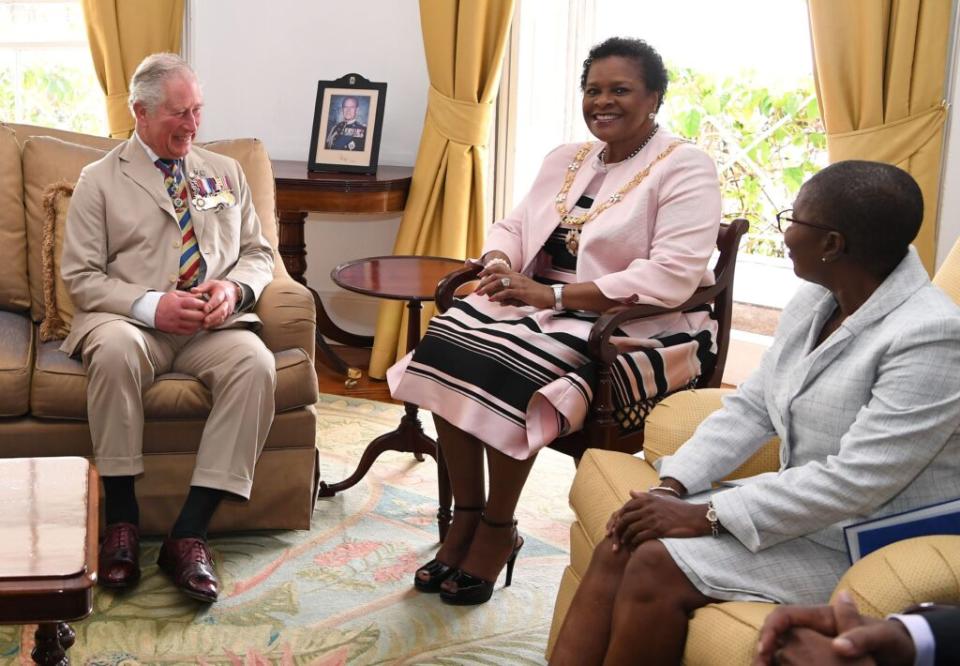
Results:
<point x="766" y="143"/>
<point x="52" y="95"/>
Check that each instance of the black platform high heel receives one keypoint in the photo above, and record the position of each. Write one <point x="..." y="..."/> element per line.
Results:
<point x="435" y="569"/>
<point x="472" y="590"/>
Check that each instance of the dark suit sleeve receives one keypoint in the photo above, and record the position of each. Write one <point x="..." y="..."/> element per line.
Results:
<point x="945" y="624"/>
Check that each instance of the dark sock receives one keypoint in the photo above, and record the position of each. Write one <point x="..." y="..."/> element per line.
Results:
<point x="120" y="500"/>
<point x="196" y="513"/>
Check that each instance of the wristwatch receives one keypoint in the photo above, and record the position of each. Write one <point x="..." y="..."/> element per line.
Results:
<point x="558" y="296"/>
<point x="714" y="521"/>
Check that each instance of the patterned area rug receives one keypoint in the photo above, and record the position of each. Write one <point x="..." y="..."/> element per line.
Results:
<point x="342" y="592"/>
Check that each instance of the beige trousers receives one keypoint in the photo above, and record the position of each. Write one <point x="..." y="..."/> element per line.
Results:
<point x="123" y="360"/>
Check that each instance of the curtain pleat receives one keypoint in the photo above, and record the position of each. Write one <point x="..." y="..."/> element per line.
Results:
<point x="464" y="41"/>
<point x="121" y="34"/>
<point x="879" y="67"/>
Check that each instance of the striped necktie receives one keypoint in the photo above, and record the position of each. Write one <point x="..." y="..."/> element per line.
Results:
<point x="191" y="262"/>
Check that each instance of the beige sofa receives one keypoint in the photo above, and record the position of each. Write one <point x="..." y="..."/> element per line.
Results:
<point x="43" y="391"/>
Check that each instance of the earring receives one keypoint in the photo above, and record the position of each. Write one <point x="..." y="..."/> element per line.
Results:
<point x="823" y="259"/>
<point x="652" y="115"/>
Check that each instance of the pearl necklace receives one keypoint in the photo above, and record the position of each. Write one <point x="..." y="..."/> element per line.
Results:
<point x="572" y="240"/>
<point x="603" y="153"/>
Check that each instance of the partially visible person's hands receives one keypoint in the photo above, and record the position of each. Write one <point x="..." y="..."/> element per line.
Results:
<point x="784" y="619"/>
<point x="887" y="641"/>
<point x="506" y="286"/>
<point x="179" y="312"/>
<point x="796" y="634"/>
<point x="221" y="301"/>
<point x="806" y="647"/>
<point x="647" y="516"/>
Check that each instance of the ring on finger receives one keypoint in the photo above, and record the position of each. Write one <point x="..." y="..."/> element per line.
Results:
<point x="505" y="282"/>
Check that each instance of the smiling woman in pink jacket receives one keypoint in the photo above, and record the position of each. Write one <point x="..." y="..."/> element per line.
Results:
<point x="630" y="218"/>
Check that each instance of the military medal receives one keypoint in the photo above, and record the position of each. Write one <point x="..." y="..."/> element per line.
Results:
<point x="210" y="193"/>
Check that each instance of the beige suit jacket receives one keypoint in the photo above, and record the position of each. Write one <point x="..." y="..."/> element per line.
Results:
<point x="122" y="238"/>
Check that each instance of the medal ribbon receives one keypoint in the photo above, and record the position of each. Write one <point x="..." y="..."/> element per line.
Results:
<point x="190" y="259"/>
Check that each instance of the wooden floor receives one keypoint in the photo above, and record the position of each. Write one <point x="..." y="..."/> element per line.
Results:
<point x="332" y="382"/>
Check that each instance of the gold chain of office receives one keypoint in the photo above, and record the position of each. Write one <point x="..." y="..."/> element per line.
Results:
<point x="573" y="236"/>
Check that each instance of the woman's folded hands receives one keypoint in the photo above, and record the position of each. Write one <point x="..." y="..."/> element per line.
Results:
<point x="654" y="515"/>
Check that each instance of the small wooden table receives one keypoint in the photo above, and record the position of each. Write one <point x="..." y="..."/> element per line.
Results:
<point x="411" y="279"/>
<point x="299" y="192"/>
<point x="48" y="553"/>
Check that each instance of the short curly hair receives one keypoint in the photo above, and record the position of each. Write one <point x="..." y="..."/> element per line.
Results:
<point x="655" y="75"/>
<point x="877" y="207"/>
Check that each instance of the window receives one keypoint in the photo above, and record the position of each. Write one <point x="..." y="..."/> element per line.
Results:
<point x="46" y="71"/>
<point x="741" y="86"/>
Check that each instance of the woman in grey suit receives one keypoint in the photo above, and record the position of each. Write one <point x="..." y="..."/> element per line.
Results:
<point x="861" y="387"/>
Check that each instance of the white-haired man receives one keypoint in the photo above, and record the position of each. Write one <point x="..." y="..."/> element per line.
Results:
<point x="164" y="258"/>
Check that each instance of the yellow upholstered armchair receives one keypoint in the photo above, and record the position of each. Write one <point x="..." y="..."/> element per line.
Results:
<point x="886" y="581"/>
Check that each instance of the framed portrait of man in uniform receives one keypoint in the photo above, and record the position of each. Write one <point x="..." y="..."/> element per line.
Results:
<point x="346" y="125"/>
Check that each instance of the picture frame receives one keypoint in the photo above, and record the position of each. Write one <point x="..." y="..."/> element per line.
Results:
<point x="347" y="122"/>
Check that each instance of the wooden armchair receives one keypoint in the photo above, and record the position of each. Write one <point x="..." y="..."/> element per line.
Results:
<point x="601" y="429"/>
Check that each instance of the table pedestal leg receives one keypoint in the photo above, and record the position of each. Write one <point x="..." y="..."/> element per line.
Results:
<point x="66" y="635"/>
<point x="407" y="438"/>
<point x="47" y="649"/>
<point x="294" y="253"/>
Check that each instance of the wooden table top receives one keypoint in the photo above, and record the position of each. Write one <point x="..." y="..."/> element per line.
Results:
<point x="405" y="278"/>
<point x="48" y="553"/>
<point x="305" y="191"/>
<point x="44" y="517"/>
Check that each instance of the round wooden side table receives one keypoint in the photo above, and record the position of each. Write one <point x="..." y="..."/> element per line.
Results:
<point x="414" y="280"/>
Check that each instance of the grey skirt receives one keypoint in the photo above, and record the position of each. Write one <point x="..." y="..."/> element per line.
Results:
<point x="799" y="571"/>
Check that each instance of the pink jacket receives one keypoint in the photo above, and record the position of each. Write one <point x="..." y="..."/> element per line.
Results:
<point x="652" y="247"/>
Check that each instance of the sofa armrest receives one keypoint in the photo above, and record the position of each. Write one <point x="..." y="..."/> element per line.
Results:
<point x="675" y="418"/>
<point x="903" y="573"/>
<point x="289" y="316"/>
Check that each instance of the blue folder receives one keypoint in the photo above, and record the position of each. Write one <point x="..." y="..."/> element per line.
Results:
<point x="865" y="537"/>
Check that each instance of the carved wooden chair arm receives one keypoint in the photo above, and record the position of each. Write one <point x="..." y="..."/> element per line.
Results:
<point x="447" y="287"/>
<point x="599" y="346"/>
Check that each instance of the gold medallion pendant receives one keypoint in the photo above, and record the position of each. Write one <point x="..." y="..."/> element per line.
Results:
<point x="572" y="238"/>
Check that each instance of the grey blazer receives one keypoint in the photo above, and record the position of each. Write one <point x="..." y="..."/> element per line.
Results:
<point x="122" y="238"/>
<point x="868" y="421"/>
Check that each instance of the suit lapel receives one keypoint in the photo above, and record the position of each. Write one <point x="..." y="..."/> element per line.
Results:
<point x="905" y="280"/>
<point x="546" y="226"/>
<point x="136" y="164"/>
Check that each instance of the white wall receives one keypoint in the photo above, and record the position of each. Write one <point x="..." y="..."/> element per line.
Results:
<point x="259" y="62"/>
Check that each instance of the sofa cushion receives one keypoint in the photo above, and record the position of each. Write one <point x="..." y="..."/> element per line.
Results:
<point x="16" y="352"/>
<point x="59" y="388"/>
<point x="14" y="288"/>
<point x="57" y="306"/>
<point x="46" y="160"/>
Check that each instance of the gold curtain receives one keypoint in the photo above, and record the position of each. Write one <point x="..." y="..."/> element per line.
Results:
<point x="121" y="34"/>
<point x="464" y="42"/>
<point x="880" y="67"/>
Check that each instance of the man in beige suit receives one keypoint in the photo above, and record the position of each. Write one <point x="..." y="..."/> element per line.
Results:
<point x="164" y="259"/>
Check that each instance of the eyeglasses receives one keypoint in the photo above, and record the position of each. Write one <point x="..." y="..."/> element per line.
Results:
<point x="784" y="220"/>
